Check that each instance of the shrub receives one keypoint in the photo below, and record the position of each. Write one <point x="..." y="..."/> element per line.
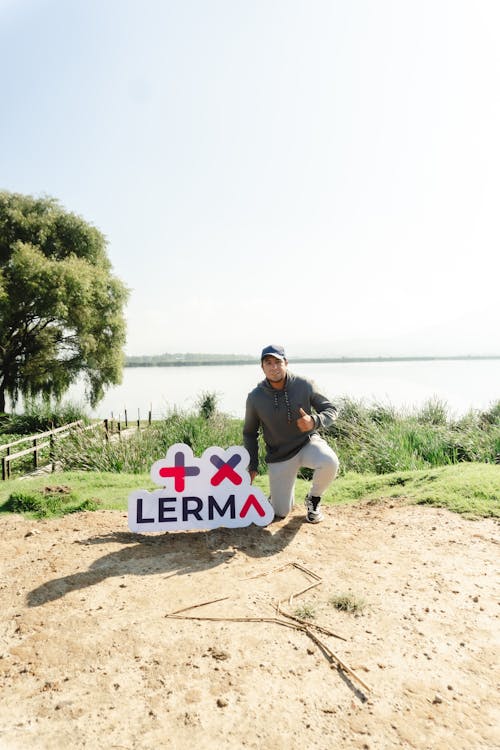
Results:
<point x="348" y="603"/>
<point x="136" y="454"/>
<point x="50" y="501"/>
<point x="40" y="415"/>
<point x="207" y="404"/>
<point x="433" y="412"/>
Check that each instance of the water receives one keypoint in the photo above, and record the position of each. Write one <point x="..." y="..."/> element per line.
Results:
<point x="462" y="384"/>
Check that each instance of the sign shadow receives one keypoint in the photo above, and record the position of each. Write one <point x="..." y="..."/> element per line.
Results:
<point x="142" y="554"/>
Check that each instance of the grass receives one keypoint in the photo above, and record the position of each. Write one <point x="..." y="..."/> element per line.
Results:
<point x="137" y="453"/>
<point x="55" y="500"/>
<point x="85" y="491"/>
<point x="40" y="415"/>
<point x="472" y="489"/>
<point x="305" y="612"/>
<point x="469" y="488"/>
<point x="380" y="439"/>
<point x="374" y="439"/>
<point x="348" y="603"/>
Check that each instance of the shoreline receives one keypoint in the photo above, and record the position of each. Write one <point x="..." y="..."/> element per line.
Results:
<point x="312" y="360"/>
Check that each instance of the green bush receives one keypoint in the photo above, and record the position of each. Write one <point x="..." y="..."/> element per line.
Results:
<point x="50" y="501"/>
<point x="207" y="404"/>
<point x="40" y="416"/>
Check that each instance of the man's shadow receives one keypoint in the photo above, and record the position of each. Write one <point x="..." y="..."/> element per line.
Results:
<point x="149" y="555"/>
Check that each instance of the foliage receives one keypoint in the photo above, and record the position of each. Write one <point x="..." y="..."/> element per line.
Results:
<point x="137" y="453"/>
<point x="207" y="404"/>
<point x="61" y="309"/>
<point x="380" y="439"/>
<point x="105" y="490"/>
<point x="40" y="415"/>
<point x="49" y="501"/>
<point x="469" y="488"/>
<point x="367" y="440"/>
<point x="348" y="603"/>
<point x="472" y="489"/>
<point x="306" y="611"/>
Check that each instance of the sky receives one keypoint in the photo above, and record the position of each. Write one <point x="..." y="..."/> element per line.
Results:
<point x="323" y="174"/>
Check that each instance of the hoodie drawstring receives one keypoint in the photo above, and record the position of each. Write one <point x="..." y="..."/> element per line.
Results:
<point x="287" y="402"/>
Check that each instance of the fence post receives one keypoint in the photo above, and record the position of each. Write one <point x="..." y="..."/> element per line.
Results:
<point x="126" y="419"/>
<point x="35" y="454"/>
<point x="106" y="429"/>
<point x="119" y="425"/>
<point x="51" y="452"/>
<point x="138" y="419"/>
<point x="4" y="468"/>
<point x="150" y="415"/>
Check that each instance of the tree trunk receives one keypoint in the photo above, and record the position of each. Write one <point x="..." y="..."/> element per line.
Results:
<point x="2" y="400"/>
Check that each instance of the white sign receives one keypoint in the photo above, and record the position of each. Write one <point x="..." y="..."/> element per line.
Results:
<point x="199" y="493"/>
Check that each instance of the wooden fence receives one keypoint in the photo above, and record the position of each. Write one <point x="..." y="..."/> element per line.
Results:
<point x="46" y="440"/>
<point x="38" y="442"/>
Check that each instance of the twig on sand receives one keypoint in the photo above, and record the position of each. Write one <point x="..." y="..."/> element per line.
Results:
<point x="194" y="606"/>
<point x="293" y="622"/>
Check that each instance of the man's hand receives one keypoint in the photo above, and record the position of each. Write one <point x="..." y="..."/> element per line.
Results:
<point x="253" y="474"/>
<point x="305" y="422"/>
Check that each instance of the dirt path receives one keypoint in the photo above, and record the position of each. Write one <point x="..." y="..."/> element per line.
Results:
<point x="89" y="660"/>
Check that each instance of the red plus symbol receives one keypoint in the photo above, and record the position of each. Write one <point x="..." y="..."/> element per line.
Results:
<point x="179" y="472"/>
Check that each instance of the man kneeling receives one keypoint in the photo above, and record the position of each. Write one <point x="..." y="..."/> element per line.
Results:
<point x="282" y="406"/>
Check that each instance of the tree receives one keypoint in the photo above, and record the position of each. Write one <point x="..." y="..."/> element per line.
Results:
<point x="61" y="309"/>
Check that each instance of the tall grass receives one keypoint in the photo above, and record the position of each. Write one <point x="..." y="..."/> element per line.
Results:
<point x="380" y="439"/>
<point x="372" y="438"/>
<point x="40" y="415"/>
<point x="136" y="453"/>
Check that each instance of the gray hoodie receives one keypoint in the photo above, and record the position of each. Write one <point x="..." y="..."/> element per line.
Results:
<point x="276" y="413"/>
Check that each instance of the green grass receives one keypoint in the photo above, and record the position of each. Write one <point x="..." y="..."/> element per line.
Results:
<point x="348" y="603"/>
<point x="86" y="491"/>
<point x="472" y="489"/>
<point x="468" y="488"/>
<point x="306" y="611"/>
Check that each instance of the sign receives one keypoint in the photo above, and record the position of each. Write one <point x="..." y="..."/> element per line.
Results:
<point x="199" y="493"/>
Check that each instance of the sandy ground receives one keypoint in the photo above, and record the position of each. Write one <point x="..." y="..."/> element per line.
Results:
<point x="88" y="658"/>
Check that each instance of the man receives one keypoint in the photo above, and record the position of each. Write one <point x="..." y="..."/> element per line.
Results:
<point x="282" y="407"/>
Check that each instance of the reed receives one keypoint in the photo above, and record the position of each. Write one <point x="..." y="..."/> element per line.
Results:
<point x="373" y="438"/>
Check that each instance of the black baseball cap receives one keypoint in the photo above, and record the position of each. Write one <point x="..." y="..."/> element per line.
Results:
<point x="273" y="350"/>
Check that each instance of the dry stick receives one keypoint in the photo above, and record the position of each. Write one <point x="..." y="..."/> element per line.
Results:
<point x="299" y="593"/>
<point x="268" y="572"/>
<point x="334" y="656"/>
<point x="235" y="619"/>
<point x="194" y="606"/>
<point x="298" y="623"/>
<point x="282" y="567"/>
<point x="321" y="629"/>
<point x="293" y="626"/>
<point x="305" y="570"/>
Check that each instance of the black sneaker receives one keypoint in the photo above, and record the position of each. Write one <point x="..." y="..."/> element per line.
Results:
<point x="313" y="512"/>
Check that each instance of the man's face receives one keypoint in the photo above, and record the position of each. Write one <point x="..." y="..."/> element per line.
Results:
<point x="274" y="369"/>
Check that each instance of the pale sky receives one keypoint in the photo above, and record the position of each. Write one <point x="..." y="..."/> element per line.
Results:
<point x="319" y="173"/>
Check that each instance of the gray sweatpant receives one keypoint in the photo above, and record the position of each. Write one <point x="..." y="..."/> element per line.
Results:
<point x="317" y="455"/>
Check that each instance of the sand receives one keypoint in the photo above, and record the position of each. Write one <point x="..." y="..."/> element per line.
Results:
<point x="89" y="658"/>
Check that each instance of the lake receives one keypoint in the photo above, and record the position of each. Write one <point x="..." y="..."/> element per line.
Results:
<point x="462" y="384"/>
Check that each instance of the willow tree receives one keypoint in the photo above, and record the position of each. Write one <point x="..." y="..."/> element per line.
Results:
<point x="61" y="308"/>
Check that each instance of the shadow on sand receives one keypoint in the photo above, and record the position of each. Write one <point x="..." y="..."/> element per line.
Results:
<point x="141" y="554"/>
